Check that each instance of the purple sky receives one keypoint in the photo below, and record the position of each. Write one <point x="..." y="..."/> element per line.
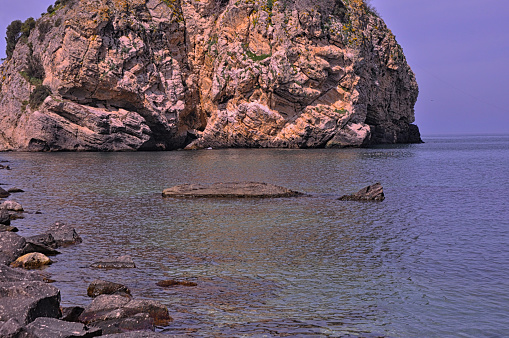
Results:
<point x="459" y="51"/>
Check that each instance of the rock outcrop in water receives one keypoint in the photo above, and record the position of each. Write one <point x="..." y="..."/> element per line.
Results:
<point x="165" y="74"/>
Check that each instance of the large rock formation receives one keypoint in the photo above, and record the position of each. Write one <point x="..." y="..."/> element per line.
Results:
<point x="168" y="74"/>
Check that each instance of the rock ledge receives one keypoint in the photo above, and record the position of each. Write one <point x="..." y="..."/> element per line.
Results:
<point x="230" y="190"/>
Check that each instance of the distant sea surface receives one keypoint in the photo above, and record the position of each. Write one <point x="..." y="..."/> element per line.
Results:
<point x="432" y="260"/>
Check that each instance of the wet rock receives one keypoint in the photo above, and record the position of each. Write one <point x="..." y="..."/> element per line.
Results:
<point x="373" y="192"/>
<point x="5" y="167"/>
<point x="15" y="190"/>
<point x="11" y="247"/>
<point x="4" y="193"/>
<point x="121" y="262"/>
<point x="230" y="190"/>
<point x="72" y="313"/>
<point x="140" y="321"/>
<point x="45" y="239"/>
<point x="173" y="282"/>
<point x="5" y="217"/>
<point x="43" y="249"/>
<point x="156" y="310"/>
<point x="101" y="287"/>
<point x="111" y="310"/>
<point x="27" y="300"/>
<point x="140" y="334"/>
<point x="8" y="228"/>
<point x="13" y="329"/>
<point x="64" y="234"/>
<point x="54" y="328"/>
<point x="8" y="274"/>
<point x="32" y="260"/>
<point x="11" y="206"/>
<point x="101" y="306"/>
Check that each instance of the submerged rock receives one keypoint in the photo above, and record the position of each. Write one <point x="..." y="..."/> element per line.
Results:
<point x="230" y="190"/>
<point x="15" y="190"/>
<point x="101" y="287"/>
<point x="173" y="282"/>
<point x="122" y="262"/>
<point x="373" y="192"/>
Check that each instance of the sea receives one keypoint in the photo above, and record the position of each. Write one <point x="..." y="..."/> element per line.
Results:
<point x="431" y="260"/>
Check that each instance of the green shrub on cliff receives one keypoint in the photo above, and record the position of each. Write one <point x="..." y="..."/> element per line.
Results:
<point x="39" y="94"/>
<point x="15" y="31"/>
<point x="13" y="35"/>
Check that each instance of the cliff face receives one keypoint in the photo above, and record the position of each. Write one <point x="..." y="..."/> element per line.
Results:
<point x="168" y="74"/>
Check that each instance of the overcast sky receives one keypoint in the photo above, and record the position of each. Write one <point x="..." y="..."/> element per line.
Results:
<point x="459" y="51"/>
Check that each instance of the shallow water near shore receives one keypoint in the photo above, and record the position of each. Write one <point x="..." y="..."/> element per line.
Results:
<point x="430" y="260"/>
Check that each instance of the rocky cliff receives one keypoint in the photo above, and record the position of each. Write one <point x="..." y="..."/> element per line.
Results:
<point x="166" y="74"/>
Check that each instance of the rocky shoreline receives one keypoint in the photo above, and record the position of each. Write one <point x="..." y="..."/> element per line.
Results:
<point x="30" y="306"/>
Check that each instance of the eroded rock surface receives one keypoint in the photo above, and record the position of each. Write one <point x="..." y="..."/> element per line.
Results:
<point x="163" y="74"/>
<point x="374" y="192"/>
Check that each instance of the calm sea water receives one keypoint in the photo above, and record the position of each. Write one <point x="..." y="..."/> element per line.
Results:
<point x="431" y="260"/>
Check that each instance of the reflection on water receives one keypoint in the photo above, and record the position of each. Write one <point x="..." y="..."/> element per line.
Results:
<point x="428" y="261"/>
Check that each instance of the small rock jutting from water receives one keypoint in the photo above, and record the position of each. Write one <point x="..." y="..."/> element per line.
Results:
<point x="373" y="192"/>
<point x="101" y="287"/>
<point x="4" y="193"/>
<point x="173" y="282"/>
<point x="121" y="262"/>
<point x="64" y="234"/>
<point x="11" y="206"/>
<point x="230" y="190"/>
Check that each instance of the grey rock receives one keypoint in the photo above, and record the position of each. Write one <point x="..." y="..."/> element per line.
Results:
<point x="8" y="228"/>
<point x="15" y="190"/>
<point x="142" y="334"/>
<point x="8" y="274"/>
<point x="64" y="234"/>
<point x="72" y="313"/>
<point x="41" y="248"/>
<point x="11" y="247"/>
<point x="27" y="300"/>
<point x="4" y="193"/>
<point x="140" y="321"/>
<point x="122" y="262"/>
<point x="230" y="190"/>
<point x="45" y="239"/>
<point x="373" y="192"/>
<point x="54" y="328"/>
<point x="5" y="217"/>
<point x="101" y="306"/>
<point x="12" y="329"/>
<point x="101" y="287"/>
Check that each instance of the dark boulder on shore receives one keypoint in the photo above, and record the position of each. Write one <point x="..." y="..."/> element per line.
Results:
<point x="54" y="328"/>
<point x="12" y="329"/>
<point x="230" y="190"/>
<point x="115" y="314"/>
<point x="373" y="192"/>
<point x="11" y="247"/>
<point x="8" y="274"/>
<point x="101" y="287"/>
<point x="5" y="217"/>
<point x="27" y="300"/>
